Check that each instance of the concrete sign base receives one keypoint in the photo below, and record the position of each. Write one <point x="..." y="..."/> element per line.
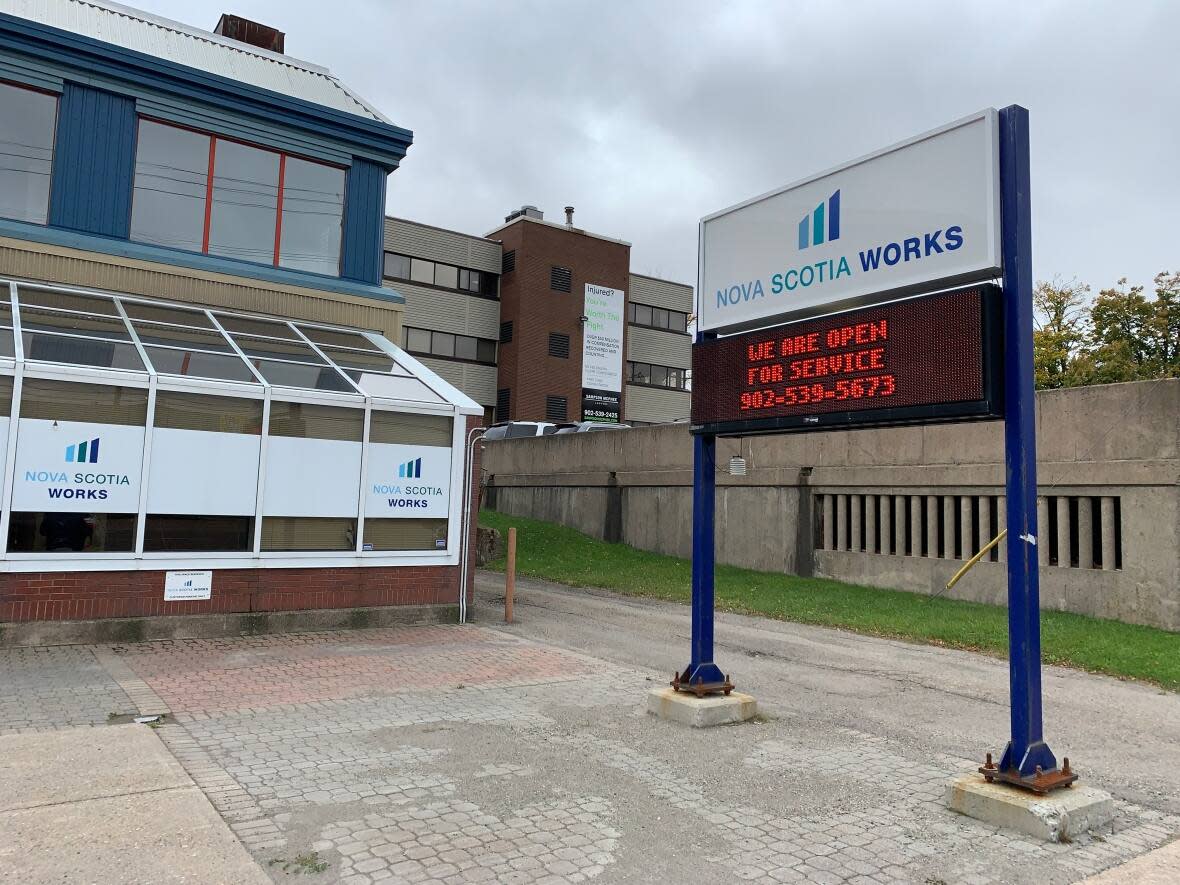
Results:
<point x="1056" y="817"/>
<point x="688" y="709"/>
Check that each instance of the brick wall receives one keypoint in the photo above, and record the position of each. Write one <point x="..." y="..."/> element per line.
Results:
<point x="51" y="596"/>
<point x="86" y="595"/>
<point x="525" y="366"/>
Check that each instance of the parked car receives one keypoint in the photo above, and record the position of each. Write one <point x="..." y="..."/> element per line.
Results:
<point x="589" y="427"/>
<point x="519" y="429"/>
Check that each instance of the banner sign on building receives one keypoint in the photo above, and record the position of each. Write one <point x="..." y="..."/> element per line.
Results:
<point x="77" y="467"/>
<point x="912" y="217"/>
<point x="408" y="481"/>
<point x="602" y="354"/>
<point x="930" y="358"/>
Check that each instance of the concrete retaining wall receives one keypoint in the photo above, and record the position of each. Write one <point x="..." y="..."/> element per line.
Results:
<point x="899" y="507"/>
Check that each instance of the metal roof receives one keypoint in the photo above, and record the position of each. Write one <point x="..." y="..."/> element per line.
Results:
<point x="170" y="40"/>
<point x="209" y="346"/>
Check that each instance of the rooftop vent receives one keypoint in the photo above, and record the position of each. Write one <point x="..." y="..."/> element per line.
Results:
<point x="527" y="212"/>
<point x="245" y="31"/>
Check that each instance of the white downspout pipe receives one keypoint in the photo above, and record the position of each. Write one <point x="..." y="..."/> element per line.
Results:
<point x="473" y="437"/>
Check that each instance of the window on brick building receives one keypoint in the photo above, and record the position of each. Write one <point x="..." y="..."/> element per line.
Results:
<point x="71" y="532"/>
<point x="405" y="534"/>
<point x="308" y="533"/>
<point x="503" y="402"/>
<point x="198" y="534"/>
<point x="556" y="408"/>
<point x="506" y="332"/>
<point x="559" y="345"/>
<point x="560" y="279"/>
<point x="508" y="263"/>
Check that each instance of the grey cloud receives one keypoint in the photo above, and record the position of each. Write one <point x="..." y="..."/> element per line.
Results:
<point x="647" y="115"/>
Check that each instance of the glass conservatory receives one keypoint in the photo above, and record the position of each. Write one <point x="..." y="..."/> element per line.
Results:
<point x="142" y="434"/>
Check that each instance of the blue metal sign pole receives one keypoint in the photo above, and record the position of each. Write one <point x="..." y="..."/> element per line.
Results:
<point x="1027" y="756"/>
<point x="701" y="673"/>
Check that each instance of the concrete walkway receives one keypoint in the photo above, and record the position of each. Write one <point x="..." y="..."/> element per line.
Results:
<point x="109" y="805"/>
<point x="522" y="754"/>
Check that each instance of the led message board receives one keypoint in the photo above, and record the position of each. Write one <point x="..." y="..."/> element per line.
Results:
<point x="934" y="358"/>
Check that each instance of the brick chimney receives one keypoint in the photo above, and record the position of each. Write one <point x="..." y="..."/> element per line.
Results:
<point x="245" y="31"/>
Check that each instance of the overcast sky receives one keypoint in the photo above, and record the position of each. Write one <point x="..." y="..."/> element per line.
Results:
<point x="647" y="115"/>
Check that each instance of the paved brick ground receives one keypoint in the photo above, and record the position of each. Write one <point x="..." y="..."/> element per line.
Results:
<point x="465" y="754"/>
<point x="57" y="687"/>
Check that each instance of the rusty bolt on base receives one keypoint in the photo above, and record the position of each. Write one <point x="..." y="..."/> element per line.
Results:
<point x="1040" y="782"/>
<point x="701" y="688"/>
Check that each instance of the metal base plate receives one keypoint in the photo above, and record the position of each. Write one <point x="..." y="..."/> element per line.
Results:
<point x="1040" y="783"/>
<point x="701" y="688"/>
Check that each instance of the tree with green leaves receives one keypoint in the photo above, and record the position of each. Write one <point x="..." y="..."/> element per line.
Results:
<point x="1061" y="316"/>
<point x="1122" y="335"/>
<point x="1132" y="337"/>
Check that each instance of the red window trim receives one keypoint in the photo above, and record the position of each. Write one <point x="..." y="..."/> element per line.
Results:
<point x="279" y="207"/>
<point x="208" y="196"/>
<point x="282" y="155"/>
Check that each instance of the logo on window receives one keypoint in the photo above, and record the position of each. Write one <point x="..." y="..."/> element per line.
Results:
<point x="85" y="452"/>
<point x="821" y="224"/>
<point x="411" y="469"/>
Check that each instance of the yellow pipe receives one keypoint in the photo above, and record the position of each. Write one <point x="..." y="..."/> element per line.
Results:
<point x="974" y="559"/>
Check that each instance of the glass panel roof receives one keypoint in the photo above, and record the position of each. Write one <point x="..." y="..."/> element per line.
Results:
<point x="132" y="333"/>
<point x="164" y="313"/>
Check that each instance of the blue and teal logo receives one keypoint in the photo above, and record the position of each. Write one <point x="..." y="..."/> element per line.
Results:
<point x="85" y="452"/>
<point x="410" y="470"/>
<point x="821" y="224"/>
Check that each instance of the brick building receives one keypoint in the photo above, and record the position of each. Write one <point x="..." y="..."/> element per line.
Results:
<point x="203" y="408"/>
<point x="500" y="316"/>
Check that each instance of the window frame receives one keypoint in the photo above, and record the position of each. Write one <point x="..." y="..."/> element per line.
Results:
<point x="56" y="96"/>
<point x="210" y="175"/>
<point x="433" y="354"/>
<point x="668" y="373"/>
<point x="678" y="328"/>
<point x="488" y="285"/>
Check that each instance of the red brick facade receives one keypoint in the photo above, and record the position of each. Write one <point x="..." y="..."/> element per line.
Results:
<point x="86" y="595"/>
<point x="52" y="596"/>
<point x="534" y="309"/>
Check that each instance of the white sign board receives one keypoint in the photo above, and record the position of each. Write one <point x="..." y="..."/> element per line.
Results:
<point x="602" y="354"/>
<point x="203" y="472"/>
<point x="311" y="477"/>
<point x="77" y="467"/>
<point x="602" y="339"/>
<point x="915" y="215"/>
<point x="408" y="481"/>
<point x="187" y="585"/>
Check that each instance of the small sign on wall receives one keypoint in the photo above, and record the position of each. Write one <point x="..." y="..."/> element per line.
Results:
<point x="188" y="585"/>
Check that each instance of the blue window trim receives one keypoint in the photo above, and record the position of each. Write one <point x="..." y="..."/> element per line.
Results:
<point x="374" y="139"/>
<point x="194" y="260"/>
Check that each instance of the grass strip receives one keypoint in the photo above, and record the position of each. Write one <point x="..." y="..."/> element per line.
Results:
<point x="557" y="553"/>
